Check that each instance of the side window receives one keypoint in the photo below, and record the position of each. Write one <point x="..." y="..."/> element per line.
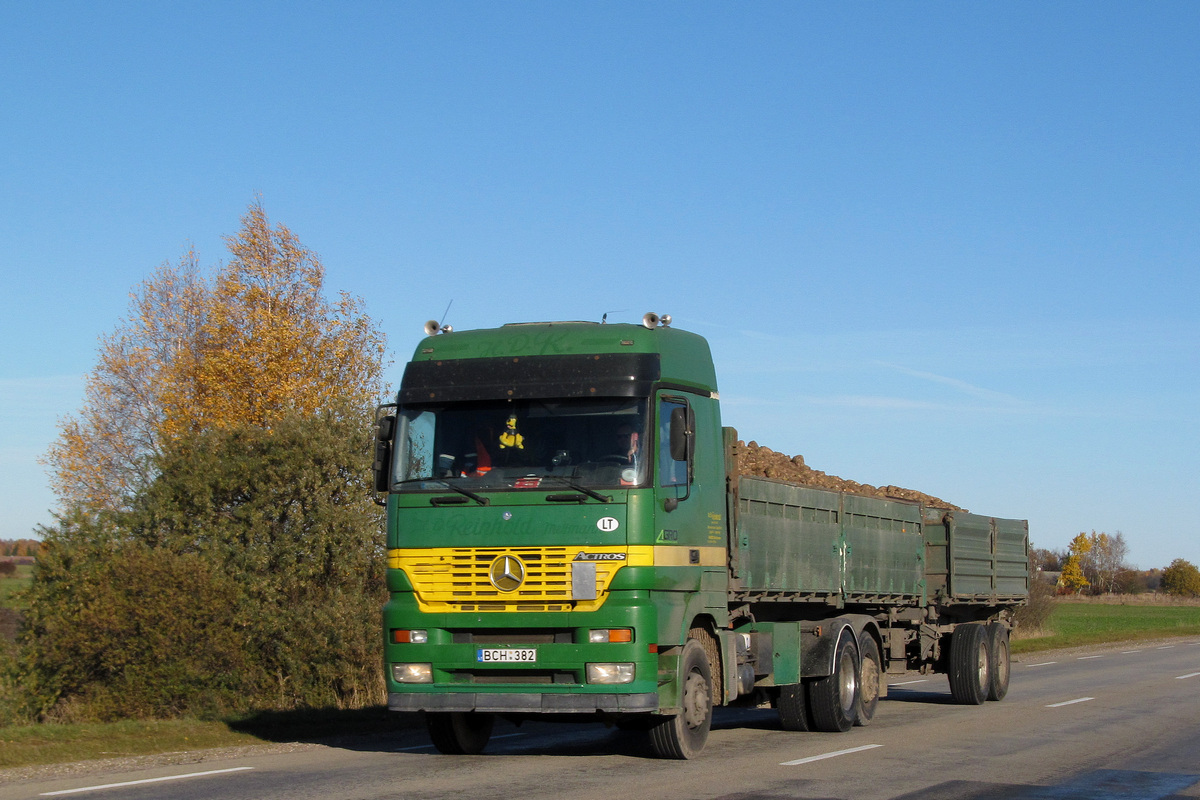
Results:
<point x="671" y="471"/>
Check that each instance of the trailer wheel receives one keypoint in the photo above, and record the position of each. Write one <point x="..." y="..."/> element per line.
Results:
<point x="870" y="673"/>
<point x="795" y="712"/>
<point x="998" y="636"/>
<point x="683" y="735"/>
<point x="834" y="698"/>
<point x="458" y="733"/>
<point x="970" y="664"/>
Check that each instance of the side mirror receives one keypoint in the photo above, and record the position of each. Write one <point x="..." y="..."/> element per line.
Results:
<point x="385" y="429"/>
<point x="679" y="434"/>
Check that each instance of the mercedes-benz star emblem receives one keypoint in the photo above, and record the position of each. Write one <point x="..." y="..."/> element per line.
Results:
<point x="507" y="573"/>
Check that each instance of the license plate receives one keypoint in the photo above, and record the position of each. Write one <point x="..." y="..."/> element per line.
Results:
<point x="506" y="655"/>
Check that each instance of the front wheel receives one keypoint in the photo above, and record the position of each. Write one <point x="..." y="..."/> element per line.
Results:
<point x="683" y="735"/>
<point x="459" y="733"/>
<point x="834" y="697"/>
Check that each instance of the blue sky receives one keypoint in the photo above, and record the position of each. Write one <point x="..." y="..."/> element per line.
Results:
<point x="949" y="246"/>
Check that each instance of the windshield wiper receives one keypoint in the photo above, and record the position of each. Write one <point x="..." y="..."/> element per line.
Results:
<point x="478" y="498"/>
<point x="570" y="482"/>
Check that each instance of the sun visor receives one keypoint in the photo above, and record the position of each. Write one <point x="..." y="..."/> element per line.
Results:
<point x="527" y="377"/>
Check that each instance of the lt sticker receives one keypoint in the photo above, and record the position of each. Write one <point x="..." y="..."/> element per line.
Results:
<point x="607" y="524"/>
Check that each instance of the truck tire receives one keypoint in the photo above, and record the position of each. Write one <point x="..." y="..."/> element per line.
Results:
<point x="682" y="736"/>
<point x="834" y="698"/>
<point x="970" y="664"/>
<point x="870" y="674"/>
<point x="795" y="713"/>
<point x="998" y="685"/>
<point x="458" y="733"/>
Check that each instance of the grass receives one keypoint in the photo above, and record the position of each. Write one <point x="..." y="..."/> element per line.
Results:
<point x="28" y="745"/>
<point x="55" y="743"/>
<point x="1073" y="624"/>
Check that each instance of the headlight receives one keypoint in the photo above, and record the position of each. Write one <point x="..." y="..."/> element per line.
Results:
<point x="610" y="673"/>
<point x="412" y="673"/>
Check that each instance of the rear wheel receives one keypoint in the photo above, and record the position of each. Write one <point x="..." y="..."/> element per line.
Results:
<point x="870" y="674"/>
<point x="794" y="711"/>
<point x="683" y="735"/>
<point x="970" y="664"/>
<point x="459" y="733"/>
<point x="835" y="697"/>
<point x="998" y="636"/>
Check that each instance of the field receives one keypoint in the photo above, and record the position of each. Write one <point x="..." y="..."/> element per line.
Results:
<point x="1074" y="623"/>
<point x="11" y="585"/>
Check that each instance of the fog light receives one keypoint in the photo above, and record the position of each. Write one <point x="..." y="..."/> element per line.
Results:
<point x="610" y="673"/>
<point x="610" y="635"/>
<point x="412" y="673"/>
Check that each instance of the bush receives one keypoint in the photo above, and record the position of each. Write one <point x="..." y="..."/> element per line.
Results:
<point x="143" y="632"/>
<point x="249" y="576"/>
<point x="1033" y="616"/>
<point x="1181" y="578"/>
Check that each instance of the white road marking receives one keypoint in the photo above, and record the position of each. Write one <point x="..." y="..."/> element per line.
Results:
<point x="1085" y="658"/>
<point x="1165" y="647"/>
<point x="1127" y="652"/>
<point x="147" y="780"/>
<point x="1070" y="702"/>
<point x="1043" y="664"/>
<point x="1189" y="675"/>
<point x="906" y="683"/>
<point x="810" y="759"/>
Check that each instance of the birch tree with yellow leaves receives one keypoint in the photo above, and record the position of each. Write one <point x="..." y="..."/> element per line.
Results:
<point x="254" y="342"/>
<point x="1072" y="579"/>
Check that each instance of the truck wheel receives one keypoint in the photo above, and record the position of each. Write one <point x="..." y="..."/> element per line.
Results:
<point x="683" y="735"/>
<point x="998" y="686"/>
<point x="970" y="664"/>
<point x="834" y="698"/>
<point x="870" y="673"/>
<point x="794" y="711"/>
<point x="457" y="733"/>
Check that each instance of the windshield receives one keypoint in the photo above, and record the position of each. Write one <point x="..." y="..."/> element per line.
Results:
<point x="522" y="444"/>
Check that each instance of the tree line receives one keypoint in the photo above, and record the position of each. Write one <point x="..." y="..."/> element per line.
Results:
<point x="19" y="548"/>
<point x="1095" y="564"/>
<point x="216" y="548"/>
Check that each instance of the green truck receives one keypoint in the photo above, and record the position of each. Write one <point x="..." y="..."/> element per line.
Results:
<point x="569" y="537"/>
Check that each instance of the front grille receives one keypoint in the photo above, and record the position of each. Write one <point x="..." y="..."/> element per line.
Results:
<point x="511" y="637"/>
<point x="457" y="579"/>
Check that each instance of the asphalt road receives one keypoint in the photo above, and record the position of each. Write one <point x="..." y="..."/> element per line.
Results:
<point x="1113" y="722"/>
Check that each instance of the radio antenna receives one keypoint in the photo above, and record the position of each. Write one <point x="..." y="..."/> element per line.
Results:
<point x="446" y="312"/>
